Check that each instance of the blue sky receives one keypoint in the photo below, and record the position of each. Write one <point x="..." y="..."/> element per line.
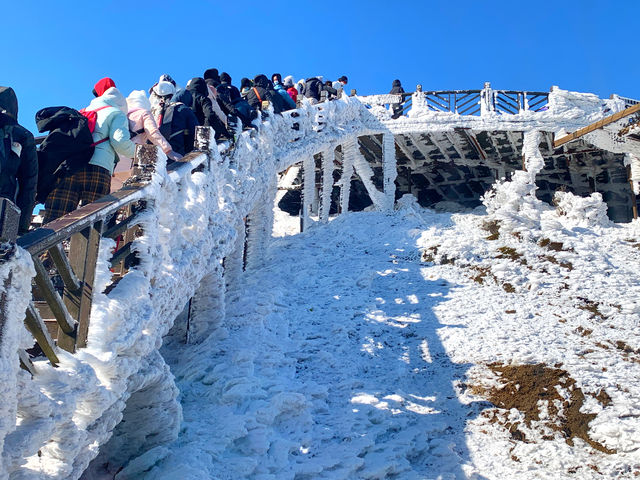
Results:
<point x="54" y="51"/>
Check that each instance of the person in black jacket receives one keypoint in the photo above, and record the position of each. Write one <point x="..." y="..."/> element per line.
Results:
<point x="263" y="90"/>
<point x="203" y="109"/>
<point x="232" y="104"/>
<point x="18" y="159"/>
<point x="257" y="93"/>
<point x="278" y="102"/>
<point x="396" y="88"/>
<point x="313" y="89"/>
<point x="212" y="77"/>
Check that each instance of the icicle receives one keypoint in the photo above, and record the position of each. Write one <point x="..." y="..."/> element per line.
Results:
<point x="390" y="169"/>
<point x="260" y="225"/>
<point x="234" y="262"/>
<point x="365" y="172"/>
<point x="534" y="163"/>
<point x="308" y="192"/>
<point x="634" y="162"/>
<point x="327" y="183"/>
<point x="208" y="306"/>
<point x="348" y="156"/>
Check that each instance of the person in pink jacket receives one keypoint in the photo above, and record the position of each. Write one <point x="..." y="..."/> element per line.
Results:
<point x="142" y="125"/>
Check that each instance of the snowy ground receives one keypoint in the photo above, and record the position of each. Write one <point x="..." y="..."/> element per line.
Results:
<point x="363" y="349"/>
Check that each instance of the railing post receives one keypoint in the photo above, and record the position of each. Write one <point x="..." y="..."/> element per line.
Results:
<point x="327" y="184"/>
<point x="83" y="255"/>
<point x="632" y="163"/>
<point x="205" y="141"/>
<point x="144" y="162"/>
<point x="308" y="190"/>
<point x="348" y="154"/>
<point x="486" y="100"/>
<point x="390" y="170"/>
<point x="208" y="305"/>
<point x="9" y="220"/>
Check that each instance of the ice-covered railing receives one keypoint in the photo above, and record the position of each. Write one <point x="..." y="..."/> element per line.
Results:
<point x="193" y="231"/>
<point x="468" y="102"/>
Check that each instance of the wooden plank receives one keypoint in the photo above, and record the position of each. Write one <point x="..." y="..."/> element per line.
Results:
<point x="64" y="268"/>
<point x="596" y="126"/>
<point x="60" y="312"/>
<point x="36" y="326"/>
<point x="62" y="228"/>
<point x="121" y="254"/>
<point x="123" y="226"/>
<point x="83" y="255"/>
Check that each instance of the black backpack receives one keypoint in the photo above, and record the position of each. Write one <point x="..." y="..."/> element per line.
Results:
<point x="67" y="148"/>
<point x="313" y="88"/>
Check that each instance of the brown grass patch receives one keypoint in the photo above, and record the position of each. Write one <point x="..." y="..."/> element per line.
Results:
<point x="523" y="386"/>
<point x="591" y="306"/>
<point x="555" y="246"/>
<point x="493" y="227"/>
<point x="585" y="332"/>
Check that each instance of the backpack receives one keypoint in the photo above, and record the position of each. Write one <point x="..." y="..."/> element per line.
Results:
<point x="67" y="148"/>
<point x="313" y="88"/>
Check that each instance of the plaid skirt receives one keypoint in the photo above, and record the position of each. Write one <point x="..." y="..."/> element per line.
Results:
<point x="86" y="185"/>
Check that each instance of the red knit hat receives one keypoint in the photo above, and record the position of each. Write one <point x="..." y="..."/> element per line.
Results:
<point x="102" y="86"/>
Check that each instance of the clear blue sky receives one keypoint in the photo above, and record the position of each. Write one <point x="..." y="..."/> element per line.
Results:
<point x="54" y="51"/>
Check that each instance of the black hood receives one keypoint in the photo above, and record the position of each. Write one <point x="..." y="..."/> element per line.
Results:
<point x="54" y="117"/>
<point x="9" y="102"/>
<point x="261" y="81"/>
<point x="396" y="83"/>
<point x="199" y="86"/>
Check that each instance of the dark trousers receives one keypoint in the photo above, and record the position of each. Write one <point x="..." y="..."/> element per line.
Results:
<point x="86" y="185"/>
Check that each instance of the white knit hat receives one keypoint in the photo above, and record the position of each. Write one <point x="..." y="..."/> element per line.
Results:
<point x="288" y="81"/>
<point x="163" y="89"/>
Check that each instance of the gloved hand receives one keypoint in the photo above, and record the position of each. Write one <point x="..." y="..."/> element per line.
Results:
<point x="176" y="157"/>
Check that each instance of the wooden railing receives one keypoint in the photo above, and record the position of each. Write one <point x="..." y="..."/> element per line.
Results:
<point x="469" y="102"/>
<point x="69" y="245"/>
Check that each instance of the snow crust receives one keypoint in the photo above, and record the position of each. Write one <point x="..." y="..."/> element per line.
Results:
<point x="245" y="364"/>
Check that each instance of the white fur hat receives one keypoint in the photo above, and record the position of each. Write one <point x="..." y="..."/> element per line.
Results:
<point x="288" y="81"/>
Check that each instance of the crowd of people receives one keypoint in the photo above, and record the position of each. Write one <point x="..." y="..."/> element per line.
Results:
<point x="78" y="157"/>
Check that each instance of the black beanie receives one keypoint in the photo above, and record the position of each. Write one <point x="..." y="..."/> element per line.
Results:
<point x="211" y="73"/>
<point x="225" y="77"/>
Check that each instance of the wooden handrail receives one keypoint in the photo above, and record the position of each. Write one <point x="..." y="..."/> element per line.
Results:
<point x="596" y="126"/>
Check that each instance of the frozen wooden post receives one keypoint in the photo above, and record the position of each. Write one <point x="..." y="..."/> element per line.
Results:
<point x="486" y="100"/>
<point x="234" y="262"/>
<point x="260" y="225"/>
<point x="204" y="142"/>
<point x="348" y="154"/>
<point x="83" y="256"/>
<point x="9" y="220"/>
<point x="207" y="305"/>
<point x="629" y="159"/>
<point x="308" y="182"/>
<point x="144" y="162"/>
<point x="327" y="184"/>
<point x="390" y="170"/>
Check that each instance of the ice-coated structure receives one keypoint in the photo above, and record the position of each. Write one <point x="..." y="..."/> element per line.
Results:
<point x="53" y="425"/>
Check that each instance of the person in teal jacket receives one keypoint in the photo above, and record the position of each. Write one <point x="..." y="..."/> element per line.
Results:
<point x="111" y="136"/>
